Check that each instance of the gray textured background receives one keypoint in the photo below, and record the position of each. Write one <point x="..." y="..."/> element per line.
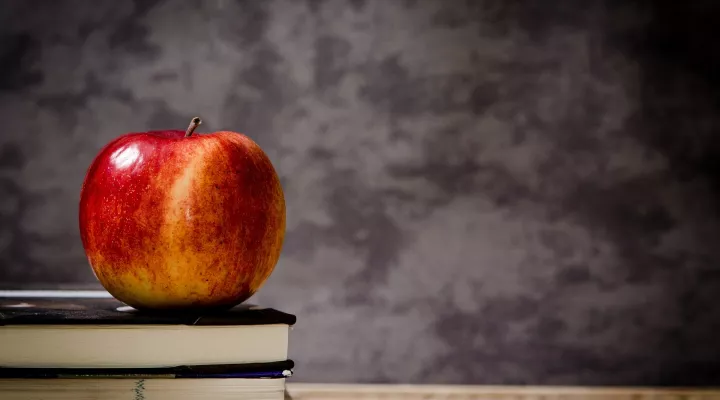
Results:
<point x="517" y="191"/>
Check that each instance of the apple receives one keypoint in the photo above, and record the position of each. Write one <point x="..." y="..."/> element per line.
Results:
<point x="181" y="220"/>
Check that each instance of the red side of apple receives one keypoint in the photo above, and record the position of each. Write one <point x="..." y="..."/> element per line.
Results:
<point x="169" y="221"/>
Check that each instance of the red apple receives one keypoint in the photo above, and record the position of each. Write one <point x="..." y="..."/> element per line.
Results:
<point x="177" y="220"/>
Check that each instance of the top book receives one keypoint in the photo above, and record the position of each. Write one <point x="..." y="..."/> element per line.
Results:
<point x="67" y="329"/>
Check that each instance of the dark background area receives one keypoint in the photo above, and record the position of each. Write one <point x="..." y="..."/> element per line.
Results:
<point x="498" y="192"/>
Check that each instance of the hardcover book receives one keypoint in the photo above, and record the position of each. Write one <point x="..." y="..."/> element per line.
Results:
<point x="61" y="345"/>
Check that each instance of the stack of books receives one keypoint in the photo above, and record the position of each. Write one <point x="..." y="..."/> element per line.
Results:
<point x="87" y="345"/>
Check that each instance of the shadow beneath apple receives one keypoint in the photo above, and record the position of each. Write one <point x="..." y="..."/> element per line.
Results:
<point x="189" y="311"/>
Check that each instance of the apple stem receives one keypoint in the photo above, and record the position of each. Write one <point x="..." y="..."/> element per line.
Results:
<point x="193" y="125"/>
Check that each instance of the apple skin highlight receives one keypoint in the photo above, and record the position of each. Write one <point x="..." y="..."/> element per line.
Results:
<point x="170" y="221"/>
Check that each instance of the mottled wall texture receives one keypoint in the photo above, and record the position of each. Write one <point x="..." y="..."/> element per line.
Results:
<point x="480" y="191"/>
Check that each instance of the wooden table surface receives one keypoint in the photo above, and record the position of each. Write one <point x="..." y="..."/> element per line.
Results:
<point x="305" y="391"/>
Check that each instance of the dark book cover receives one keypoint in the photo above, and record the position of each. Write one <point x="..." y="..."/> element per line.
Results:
<point x="279" y="369"/>
<point x="83" y="308"/>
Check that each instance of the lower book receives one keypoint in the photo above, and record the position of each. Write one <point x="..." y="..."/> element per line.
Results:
<point x="244" y="381"/>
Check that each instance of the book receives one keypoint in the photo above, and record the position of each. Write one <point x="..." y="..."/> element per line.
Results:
<point x="86" y="330"/>
<point x="87" y="345"/>
<point x="249" y="381"/>
<point x="142" y="389"/>
<point x="280" y="369"/>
